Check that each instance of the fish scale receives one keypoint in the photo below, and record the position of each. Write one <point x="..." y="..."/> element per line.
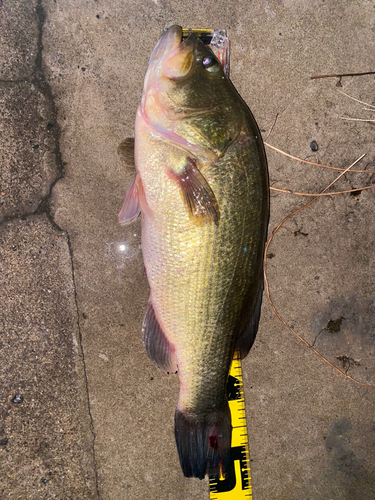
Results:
<point x="198" y="253"/>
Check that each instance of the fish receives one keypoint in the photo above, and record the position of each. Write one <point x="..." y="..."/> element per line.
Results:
<point x="202" y="189"/>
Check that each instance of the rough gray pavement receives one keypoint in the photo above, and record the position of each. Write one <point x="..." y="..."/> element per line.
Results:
<point x="311" y="431"/>
<point x="28" y="145"/>
<point x="46" y="443"/>
<point x="46" y="436"/>
<point x="19" y="39"/>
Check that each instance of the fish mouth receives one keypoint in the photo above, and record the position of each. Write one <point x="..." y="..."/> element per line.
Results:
<point x="172" y="60"/>
<point x="179" y="61"/>
<point x="173" y="31"/>
<point x="170" y="39"/>
<point x="172" y="56"/>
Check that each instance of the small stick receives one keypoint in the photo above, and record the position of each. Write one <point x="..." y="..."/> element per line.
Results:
<point x="363" y="384"/>
<point x="289" y="191"/>
<point x="344" y="74"/>
<point x="356" y="119"/>
<point x="357" y="100"/>
<point x="274" y="123"/>
<point x="317" y="164"/>
<point x="342" y="173"/>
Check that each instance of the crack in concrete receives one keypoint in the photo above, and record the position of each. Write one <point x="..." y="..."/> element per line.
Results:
<point x="38" y="79"/>
<point x="92" y="428"/>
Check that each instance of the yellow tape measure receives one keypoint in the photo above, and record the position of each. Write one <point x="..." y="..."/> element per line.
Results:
<point x="237" y="482"/>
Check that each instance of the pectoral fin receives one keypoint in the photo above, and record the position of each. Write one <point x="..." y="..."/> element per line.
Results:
<point x="135" y="201"/>
<point x="197" y="194"/>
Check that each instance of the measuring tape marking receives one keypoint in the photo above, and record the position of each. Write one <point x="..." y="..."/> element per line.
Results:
<point x="237" y="482"/>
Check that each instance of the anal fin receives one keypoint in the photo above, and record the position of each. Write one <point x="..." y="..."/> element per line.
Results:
<point x="157" y="346"/>
<point x="246" y="338"/>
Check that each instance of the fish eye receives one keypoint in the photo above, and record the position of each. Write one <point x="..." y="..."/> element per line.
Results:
<point x="210" y="64"/>
<point x="207" y="61"/>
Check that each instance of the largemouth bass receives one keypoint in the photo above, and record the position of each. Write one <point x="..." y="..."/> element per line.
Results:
<point x="202" y="188"/>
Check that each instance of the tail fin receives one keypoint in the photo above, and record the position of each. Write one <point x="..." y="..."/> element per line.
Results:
<point x="203" y="442"/>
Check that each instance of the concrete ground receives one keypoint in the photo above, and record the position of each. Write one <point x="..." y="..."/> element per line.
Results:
<point x="83" y="413"/>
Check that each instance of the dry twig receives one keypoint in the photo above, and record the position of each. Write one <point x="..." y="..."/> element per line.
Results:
<point x="289" y="191"/>
<point x="274" y="123"/>
<point x="268" y="291"/>
<point x="356" y="119"/>
<point x="318" y="164"/>
<point x="357" y="100"/>
<point x="344" y="74"/>
<point x="370" y="108"/>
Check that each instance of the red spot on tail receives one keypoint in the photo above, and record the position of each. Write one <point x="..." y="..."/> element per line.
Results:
<point x="213" y="442"/>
